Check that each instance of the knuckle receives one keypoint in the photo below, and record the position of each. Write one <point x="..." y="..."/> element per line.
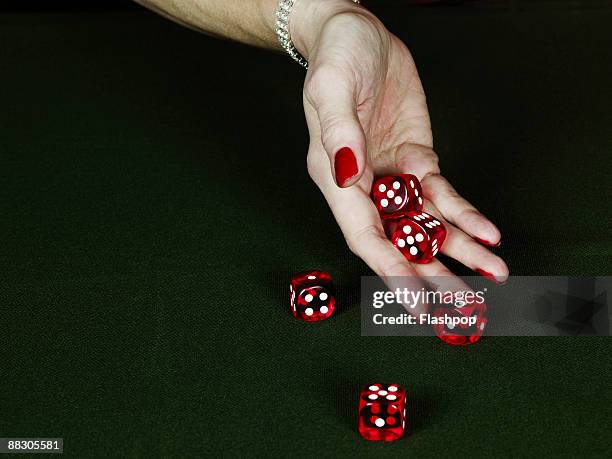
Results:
<point x="391" y="268"/>
<point x="317" y="79"/>
<point x="432" y="180"/>
<point x="331" y="125"/>
<point x="353" y="246"/>
<point x="437" y="269"/>
<point x="426" y="158"/>
<point x="315" y="165"/>
<point x="433" y="164"/>
<point x="355" y="239"/>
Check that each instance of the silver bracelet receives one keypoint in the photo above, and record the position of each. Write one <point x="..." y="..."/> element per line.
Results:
<point x="283" y="14"/>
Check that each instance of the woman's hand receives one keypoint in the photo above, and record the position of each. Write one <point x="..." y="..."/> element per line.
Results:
<point x="363" y="97"/>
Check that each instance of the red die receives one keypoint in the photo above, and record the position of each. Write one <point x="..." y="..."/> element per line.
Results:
<point x="462" y="332"/>
<point x="312" y="296"/>
<point x="382" y="412"/>
<point x="397" y="193"/>
<point x="418" y="235"/>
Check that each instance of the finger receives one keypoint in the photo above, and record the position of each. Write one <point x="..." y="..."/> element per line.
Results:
<point x="359" y="221"/>
<point x="458" y="211"/>
<point x="365" y="236"/>
<point x="333" y="97"/>
<point x="356" y="215"/>
<point x="371" y="245"/>
<point x="433" y="269"/>
<point x="465" y="250"/>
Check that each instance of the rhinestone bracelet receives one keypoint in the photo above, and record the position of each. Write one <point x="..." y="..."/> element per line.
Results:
<point x="283" y="14"/>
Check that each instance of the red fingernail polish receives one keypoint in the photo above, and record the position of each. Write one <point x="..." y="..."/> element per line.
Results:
<point x="345" y="165"/>
<point x="489" y="276"/>
<point x="490" y="244"/>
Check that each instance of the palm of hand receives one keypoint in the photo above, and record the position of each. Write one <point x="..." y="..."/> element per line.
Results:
<point x="363" y="91"/>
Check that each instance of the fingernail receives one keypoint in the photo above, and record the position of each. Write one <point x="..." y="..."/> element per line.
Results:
<point x="345" y="165"/>
<point x="489" y="276"/>
<point x="490" y="244"/>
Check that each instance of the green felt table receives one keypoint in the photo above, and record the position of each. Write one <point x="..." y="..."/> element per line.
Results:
<point x="154" y="201"/>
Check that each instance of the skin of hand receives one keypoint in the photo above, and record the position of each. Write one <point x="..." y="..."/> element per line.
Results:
<point x="362" y="91"/>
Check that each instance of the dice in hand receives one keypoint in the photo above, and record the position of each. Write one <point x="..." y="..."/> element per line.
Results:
<point x="418" y="235"/>
<point x="397" y="193"/>
<point x="312" y="296"/>
<point x="382" y="412"/>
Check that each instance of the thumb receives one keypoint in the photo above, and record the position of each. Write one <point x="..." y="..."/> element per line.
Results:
<point x="341" y="133"/>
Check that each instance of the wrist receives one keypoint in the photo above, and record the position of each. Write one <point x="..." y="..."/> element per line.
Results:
<point x="309" y="17"/>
